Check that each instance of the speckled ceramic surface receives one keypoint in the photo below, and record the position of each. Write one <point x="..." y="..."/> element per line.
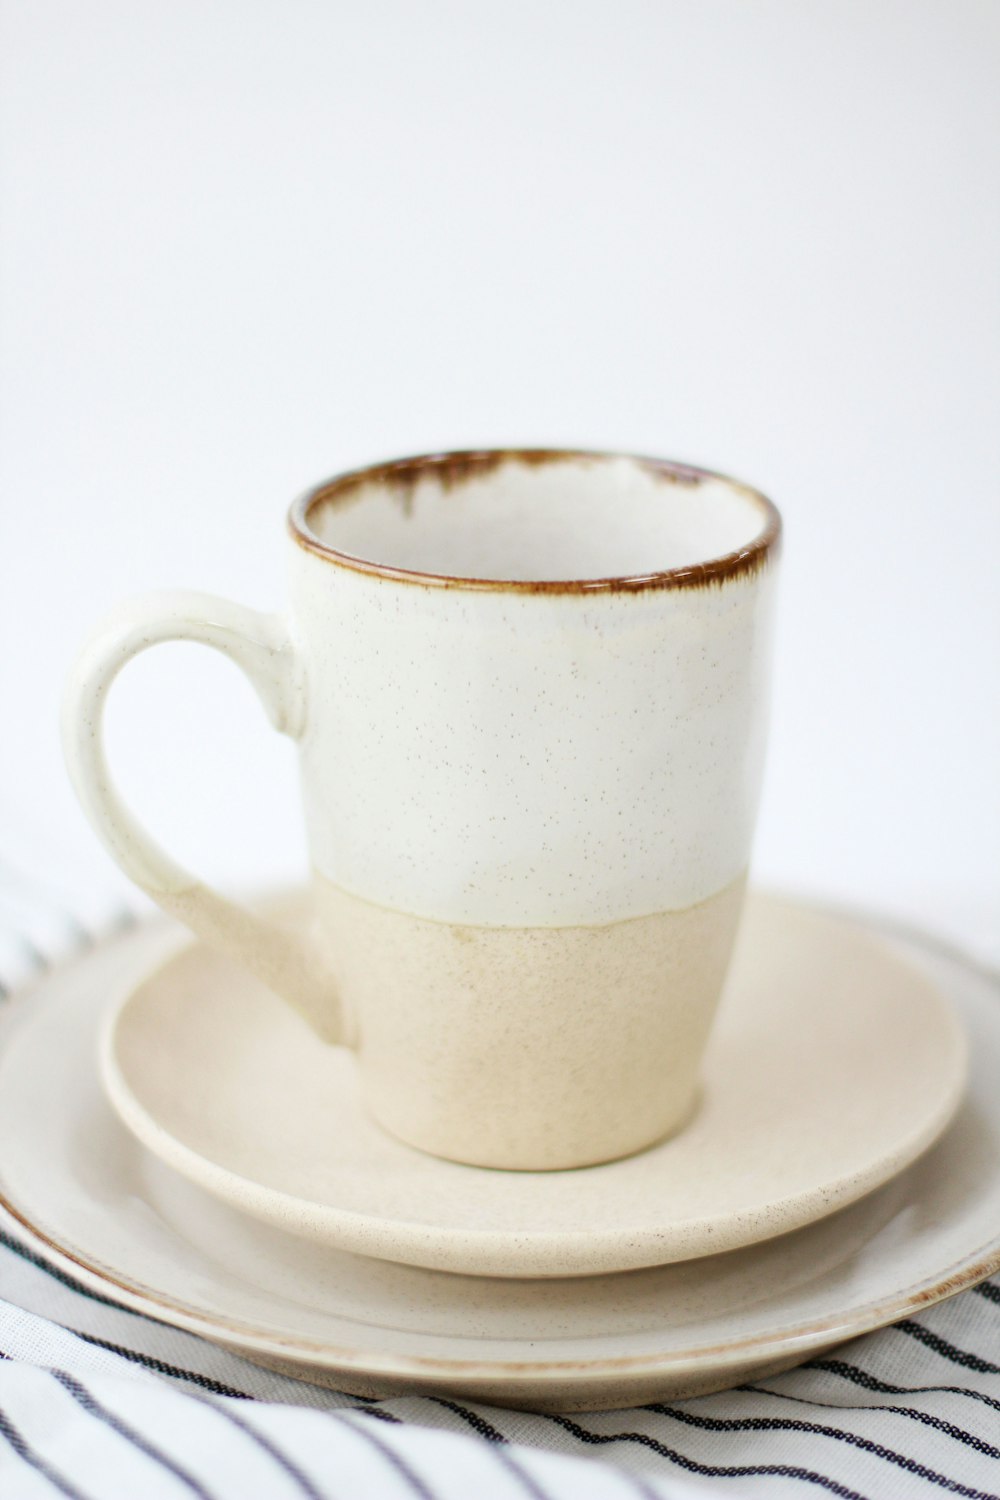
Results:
<point x="530" y="695"/>
<point x="97" y="1205"/>
<point x="833" y="1065"/>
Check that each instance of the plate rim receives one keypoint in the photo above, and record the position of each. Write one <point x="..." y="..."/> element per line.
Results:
<point x="555" y="1254"/>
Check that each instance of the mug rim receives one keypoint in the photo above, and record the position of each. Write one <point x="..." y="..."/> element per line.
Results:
<point x="456" y="465"/>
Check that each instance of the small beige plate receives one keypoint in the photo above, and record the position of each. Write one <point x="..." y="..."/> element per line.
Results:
<point x="833" y="1066"/>
<point x="103" y="1210"/>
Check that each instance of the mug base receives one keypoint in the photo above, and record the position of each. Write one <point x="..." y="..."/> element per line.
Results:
<point x="540" y="1161"/>
<point x="529" y="1048"/>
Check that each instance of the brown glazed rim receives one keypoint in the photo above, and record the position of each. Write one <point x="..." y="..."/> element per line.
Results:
<point x="453" y="468"/>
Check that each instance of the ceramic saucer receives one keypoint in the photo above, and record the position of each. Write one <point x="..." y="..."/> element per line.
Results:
<point x="102" y="1209"/>
<point x="833" y="1065"/>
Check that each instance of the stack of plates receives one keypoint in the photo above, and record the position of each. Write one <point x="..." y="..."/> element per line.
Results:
<point x="176" y="1139"/>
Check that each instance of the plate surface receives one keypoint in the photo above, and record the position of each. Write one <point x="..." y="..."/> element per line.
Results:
<point x="101" y="1208"/>
<point x="834" y="1063"/>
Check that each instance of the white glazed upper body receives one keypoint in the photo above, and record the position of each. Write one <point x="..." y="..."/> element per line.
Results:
<point x="529" y="759"/>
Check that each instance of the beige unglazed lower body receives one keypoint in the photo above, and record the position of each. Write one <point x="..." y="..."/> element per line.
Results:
<point x="531" y="1048"/>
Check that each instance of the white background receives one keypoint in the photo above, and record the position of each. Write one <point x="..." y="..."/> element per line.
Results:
<point x="249" y="242"/>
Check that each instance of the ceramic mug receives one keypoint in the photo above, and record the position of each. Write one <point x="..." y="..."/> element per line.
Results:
<point x="529" y="690"/>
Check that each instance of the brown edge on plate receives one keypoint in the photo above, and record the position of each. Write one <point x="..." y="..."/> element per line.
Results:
<point x="248" y="1339"/>
<point x="802" y="1337"/>
<point x="453" y="469"/>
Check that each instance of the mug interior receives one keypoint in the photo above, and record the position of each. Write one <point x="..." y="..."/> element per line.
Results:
<point x="536" y="517"/>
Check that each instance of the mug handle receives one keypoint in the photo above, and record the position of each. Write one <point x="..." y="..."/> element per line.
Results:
<point x="289" y="963"/>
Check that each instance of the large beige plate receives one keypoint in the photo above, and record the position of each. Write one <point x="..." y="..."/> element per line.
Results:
<point x="101" y="1208"/>
<point x="833" y="1065"/>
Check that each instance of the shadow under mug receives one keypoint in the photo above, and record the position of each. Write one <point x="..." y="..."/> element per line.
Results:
<point x="529" y="690"/>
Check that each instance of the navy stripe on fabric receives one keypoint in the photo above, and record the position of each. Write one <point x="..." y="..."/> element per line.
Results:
<point x="278" y="1454"/>
<point x="161" y="1367"/>
<point x="711" y="1471"/>
<point x="493" y="1435"/>
<point x="926" y="1419"/>
<point x="202" y="1381"/>
<point x="528" y="1483"/>
<point x="380" y="1415"/>
<point x="989" y="1291"/>
<point x="870" y="1382"/>
<point x="94" y="1408"/>
<point x="35" y="1461"/>
<point x="475" y="1421"/>
<point x="390" y="1455"/>
<point x="952" y="1352"/>
<point x="820" y="1429"/>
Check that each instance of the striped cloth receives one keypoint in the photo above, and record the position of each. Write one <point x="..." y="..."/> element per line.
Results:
<point x="100" y="1403"/>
